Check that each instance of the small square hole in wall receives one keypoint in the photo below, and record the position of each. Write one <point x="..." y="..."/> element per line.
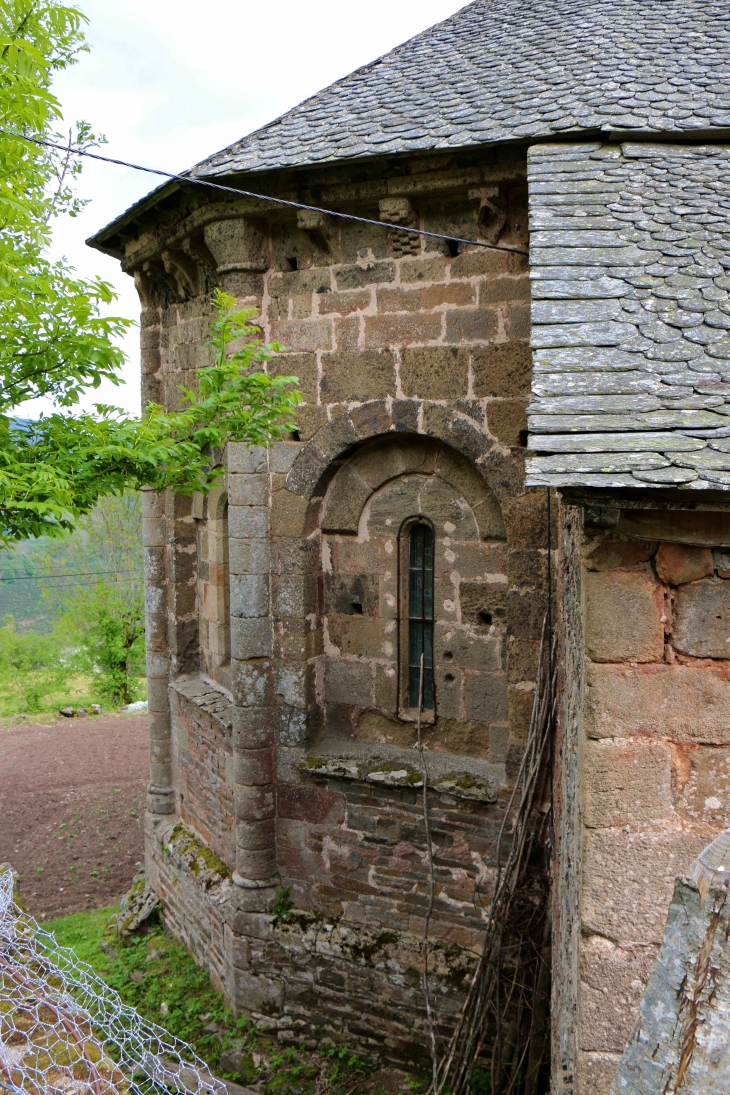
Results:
<point x="291" y="263"/>
<point x="485" y="618"/>
<point x="523" y="438"/>
<point x="448" y="656"/>
<point x="356" y="608"/>
<point x="453" y="248"/>
<point x="294" y="435"/>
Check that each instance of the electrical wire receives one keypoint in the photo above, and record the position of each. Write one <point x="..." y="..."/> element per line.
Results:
<point x="191" y="179"/>
<point x="73" y="574"/>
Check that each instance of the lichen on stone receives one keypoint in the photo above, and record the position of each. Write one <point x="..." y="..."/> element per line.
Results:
<point x="197" y="857"/>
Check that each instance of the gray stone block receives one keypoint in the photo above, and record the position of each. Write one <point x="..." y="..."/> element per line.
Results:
<point x="247" y="522"/>
<point x="248" y="490"/>
<point x="250" y="638"/>
<point x="249" y="595"/>
<point x="249" y="556"/>
<point x="245" y="458"/>
<point x="702" y="619"/>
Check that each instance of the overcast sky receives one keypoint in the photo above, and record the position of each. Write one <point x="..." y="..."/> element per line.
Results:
<point x="172" y="81"/>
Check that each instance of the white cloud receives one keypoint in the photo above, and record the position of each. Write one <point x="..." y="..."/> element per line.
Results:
<point x="172" y="81"/>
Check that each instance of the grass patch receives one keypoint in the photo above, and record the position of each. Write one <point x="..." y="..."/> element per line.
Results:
<point x="154" y="973"/>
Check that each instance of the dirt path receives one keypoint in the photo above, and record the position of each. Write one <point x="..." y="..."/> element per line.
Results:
<point x="71" y="809"/>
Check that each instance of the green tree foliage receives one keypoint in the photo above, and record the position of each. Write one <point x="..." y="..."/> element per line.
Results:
<point x="101" y="601"/>
<point x="55" y="341"/>
<point x="32" y="667"/>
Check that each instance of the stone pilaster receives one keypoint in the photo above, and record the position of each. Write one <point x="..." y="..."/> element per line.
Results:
<point x="160" y="794"/>
<point x="251" y="676"/>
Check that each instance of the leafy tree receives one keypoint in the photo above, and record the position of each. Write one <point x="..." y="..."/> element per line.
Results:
<point x="55" y="342"/>
<point x="100" y="603"/>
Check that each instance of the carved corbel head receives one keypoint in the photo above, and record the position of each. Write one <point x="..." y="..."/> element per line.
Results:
<point x="184" y="271"/>
<point x="318" y="226"/>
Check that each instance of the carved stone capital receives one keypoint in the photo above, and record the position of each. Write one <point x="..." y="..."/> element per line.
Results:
<point x="237" y="245"/>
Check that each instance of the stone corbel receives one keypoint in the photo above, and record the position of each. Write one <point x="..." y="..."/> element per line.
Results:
<point x="400" y="211"/>
<point x="318" y="226"/>
<point x="493" y="212"/>
<point x="195" y="247"/>
<point x="184" y="271"/>
<point x="237" y="245"/>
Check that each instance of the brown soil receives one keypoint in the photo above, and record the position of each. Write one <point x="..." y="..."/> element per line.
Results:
<point x="72" y="809"/>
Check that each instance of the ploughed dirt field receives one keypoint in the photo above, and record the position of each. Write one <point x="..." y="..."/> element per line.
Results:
<point x="71" y="809"/>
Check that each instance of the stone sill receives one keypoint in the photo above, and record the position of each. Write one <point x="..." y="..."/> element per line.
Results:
<point x="209" y="696"/>
<point x="390" y="766"/>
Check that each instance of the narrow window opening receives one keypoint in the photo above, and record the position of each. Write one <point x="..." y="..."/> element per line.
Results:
<point x="453" y="248"/>
<point x="356" y="608"/>
<point x="291" y="263"/>
<point x="420" y="615"/>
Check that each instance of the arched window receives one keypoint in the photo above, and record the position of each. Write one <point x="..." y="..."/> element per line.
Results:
<point x="420" y="615"/>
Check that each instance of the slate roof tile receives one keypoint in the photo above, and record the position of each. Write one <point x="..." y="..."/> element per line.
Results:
<point x="500" y="69"/>
<point x="629" y="352"/>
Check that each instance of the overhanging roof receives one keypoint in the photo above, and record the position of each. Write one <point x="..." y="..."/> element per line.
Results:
<point x="506" y="70"/>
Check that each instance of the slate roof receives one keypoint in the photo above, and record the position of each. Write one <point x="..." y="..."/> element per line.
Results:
<point x="630" y="268"/>
<point x="505" y="69"/>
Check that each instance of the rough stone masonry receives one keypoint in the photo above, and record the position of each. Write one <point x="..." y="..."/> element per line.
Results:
<point x="282" y="735"/>
<point x="287" y="611"/>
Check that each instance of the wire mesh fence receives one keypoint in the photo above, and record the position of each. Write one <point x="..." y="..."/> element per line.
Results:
<point x="63" y="1031"/>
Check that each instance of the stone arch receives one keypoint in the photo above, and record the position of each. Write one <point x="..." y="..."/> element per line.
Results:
<point x="387" y="458"/>
<point x="320" y="459"/>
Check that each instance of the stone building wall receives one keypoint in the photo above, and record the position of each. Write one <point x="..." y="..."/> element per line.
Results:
<point x="294" y="765"/>
<point x="652" y="782"/>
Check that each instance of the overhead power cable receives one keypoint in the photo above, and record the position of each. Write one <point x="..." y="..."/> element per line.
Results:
<point x="189" y="180"/>
<point x="73" y="574"/>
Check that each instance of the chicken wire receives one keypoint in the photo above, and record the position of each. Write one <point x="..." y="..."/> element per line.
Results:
<point x="63" y="1031"/>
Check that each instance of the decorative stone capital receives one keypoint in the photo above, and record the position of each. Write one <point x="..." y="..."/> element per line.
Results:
<point x="160" y="800"/>
<point x="237" y="245"/>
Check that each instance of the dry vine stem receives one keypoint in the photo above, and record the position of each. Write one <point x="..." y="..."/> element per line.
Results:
<point x="429" y="909"/>
<point x="508" y="905"/>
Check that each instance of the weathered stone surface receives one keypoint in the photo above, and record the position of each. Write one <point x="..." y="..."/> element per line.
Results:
<point x="435" y="373"/>
<point x="613" y="979"/>
<point x="679" y="702"/>
<point x="681" y="1040"/>
<point x="507" y="420"/>
<point x="703" y="783"/>
<point x="595" y="1072"/>
<point x="623" y="617"/>
<point x="701" y="624"/>
<point x="502" y="370"/>
<point x="627" y="782"/>
<point x="629" y="878"/>
<point x="703" y="529"/>
<point x="616" y="442"/>
<point x="677" y="564"/>
<point x="593" y="462"/>
<point x="357" y="375"/>
<point x="612" y="554"/>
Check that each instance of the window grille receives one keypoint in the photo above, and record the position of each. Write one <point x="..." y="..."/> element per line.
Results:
<point x="420" y="614"/>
